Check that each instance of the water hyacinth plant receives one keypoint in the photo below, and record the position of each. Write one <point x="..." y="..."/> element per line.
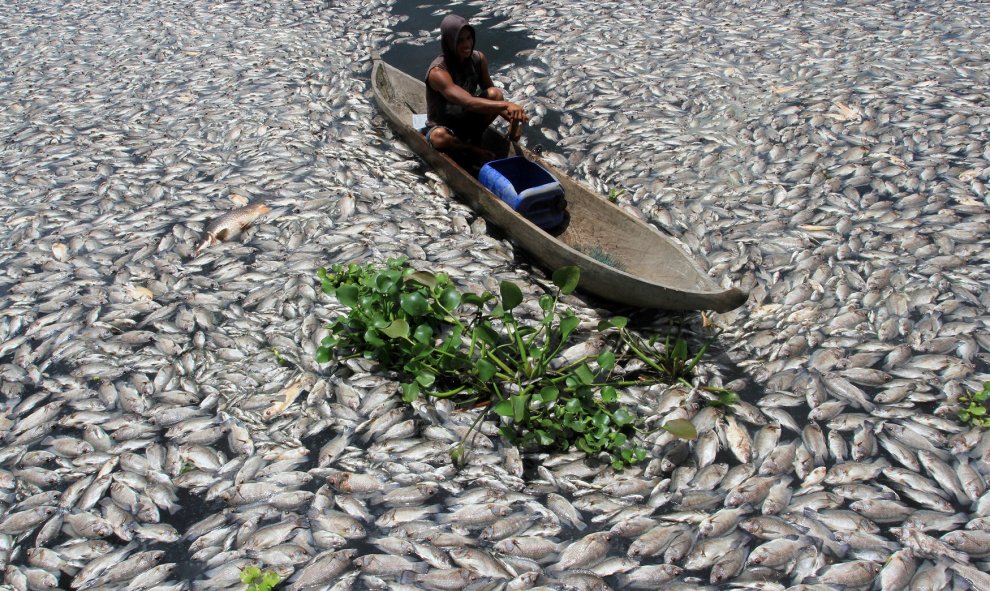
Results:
<point x="256" y="580"/>
<point x="476" y="349"/>
<point x="975" y="407"/>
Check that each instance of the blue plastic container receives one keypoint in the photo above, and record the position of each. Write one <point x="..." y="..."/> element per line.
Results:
<point x="527" y="188"/>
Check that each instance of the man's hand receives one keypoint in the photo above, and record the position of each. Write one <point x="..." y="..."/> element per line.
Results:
<point x="514" y="113"/>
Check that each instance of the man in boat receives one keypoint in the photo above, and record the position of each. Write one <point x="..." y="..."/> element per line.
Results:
<point x="461" y="99"/>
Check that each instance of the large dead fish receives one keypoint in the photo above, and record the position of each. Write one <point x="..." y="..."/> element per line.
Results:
<point x="230" y="224"/>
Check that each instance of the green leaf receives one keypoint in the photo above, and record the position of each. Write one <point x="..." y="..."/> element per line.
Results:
<point x="696" y="359"/>
<point x="600" y="419"/>
<point x="617" y="465"/>
<point x="486" y="370"/>
<point x="453" y="341"/>
<point x="680" y="352"/>
<point x="378" y="321"/>
<point x="548" y="394"/>
<point x="271" y="579"/>
<point x="511" y="294"/>
<point x="425" y="378"/>
<point x="567" y="278"/>
<point x="457" y="455"/>
<point x="323" y="355"/>
<point x="398" y="328"/>
<point x="606" y="360"/>
<point x="475" y="299"/>
<point x="618" y="439"/>
<point x="544" y="437"/>
<point x="682" y="428"/>
<point x="609" y="394"/>
<point x="424" y="278"/>
<point x="727" y="397"/>
<point x="583" y="374"/>
<point x="593" y="443"/>
<point x="546" y="302"/>
<point x="385" y="282"/>
<point x="371" y="337"/>
<point x="622" y="417"/>
<point x="567" y="326"/>
<point x="520" y="404"/>
<point x="615" y="322"/>
<point x="249" y="574"/>
<point x="450" y="298"/>
<point x="410" y="392"/>
<point x="977" y="411"/>
<point x="486" y="334"/>
<point x="573" y="406"/>
<point x="423" y="334"/>
<point x="347" y="295"/>
<point x="503" y="408"/>
<point x="413" y="303"/>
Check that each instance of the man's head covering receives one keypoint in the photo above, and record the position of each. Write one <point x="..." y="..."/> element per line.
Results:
<point x="450" y="29"/>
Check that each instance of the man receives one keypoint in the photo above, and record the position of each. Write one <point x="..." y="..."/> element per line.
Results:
<point x="461" y="99"/>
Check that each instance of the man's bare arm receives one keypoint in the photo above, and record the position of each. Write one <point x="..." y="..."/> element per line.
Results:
<point x="440" y="80"/>
<point x="486" y="78"/>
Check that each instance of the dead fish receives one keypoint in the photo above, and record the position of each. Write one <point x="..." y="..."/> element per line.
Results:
<point x="230" y="224"/>
<point x="346" y="207"/>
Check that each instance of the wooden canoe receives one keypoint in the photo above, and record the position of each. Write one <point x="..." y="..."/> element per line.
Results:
<point x="646" y="268"/>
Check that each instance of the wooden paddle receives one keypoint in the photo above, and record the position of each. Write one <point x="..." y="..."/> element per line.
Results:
<point x="513" y="137"/>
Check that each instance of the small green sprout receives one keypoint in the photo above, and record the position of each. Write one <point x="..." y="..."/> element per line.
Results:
<point x="614" y="193"/>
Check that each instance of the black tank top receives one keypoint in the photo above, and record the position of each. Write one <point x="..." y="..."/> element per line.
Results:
<point x="440" y="111"/>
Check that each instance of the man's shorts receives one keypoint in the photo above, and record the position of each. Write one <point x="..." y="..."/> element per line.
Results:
<point x="468" y="128"/>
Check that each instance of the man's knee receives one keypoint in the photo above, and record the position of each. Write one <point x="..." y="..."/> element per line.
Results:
<point x="494" y="94"/>
<point x="440" y="138"/>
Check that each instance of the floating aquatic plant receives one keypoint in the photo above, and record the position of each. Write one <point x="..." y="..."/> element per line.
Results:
<point x="256" y="580"/>
<point x="552" y="392"/>
<point x="975" y="409"/>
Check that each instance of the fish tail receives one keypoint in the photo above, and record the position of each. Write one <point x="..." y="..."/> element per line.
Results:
<point x="418" y="568"/>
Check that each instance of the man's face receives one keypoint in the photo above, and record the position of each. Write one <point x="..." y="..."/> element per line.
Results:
<point x="465" y="43"/>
